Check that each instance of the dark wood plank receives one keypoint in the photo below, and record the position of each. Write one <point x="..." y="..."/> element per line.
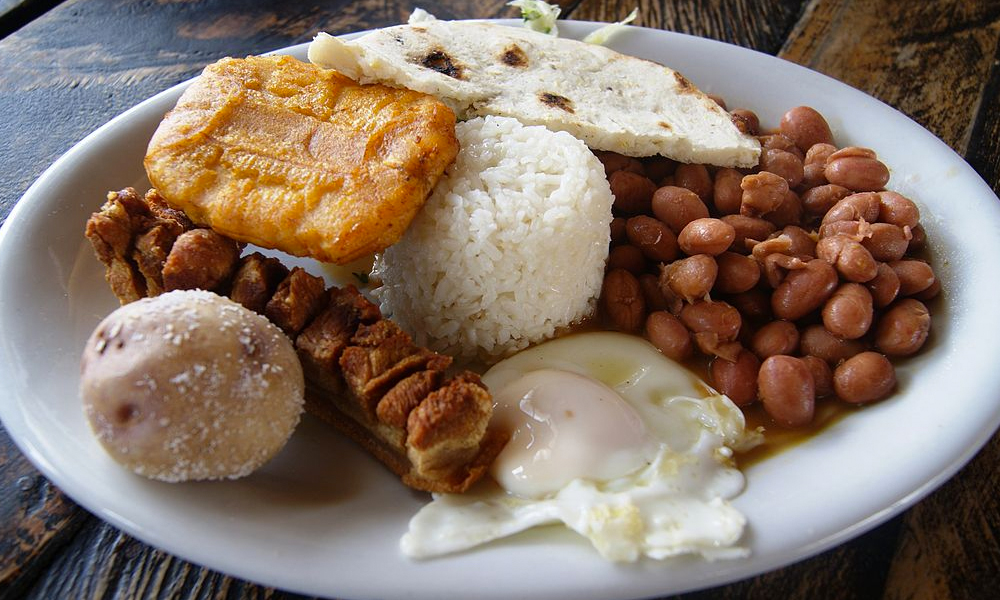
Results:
<point x="762" y="25"/>
<point x="35" y="519"/>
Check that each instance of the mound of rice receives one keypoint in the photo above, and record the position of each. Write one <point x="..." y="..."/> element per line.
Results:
<point x="509" y="248"/>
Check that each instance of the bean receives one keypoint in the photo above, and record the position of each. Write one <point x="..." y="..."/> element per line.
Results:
<point x="857" y="230"/>
<point x="689" y="278"/>
<point x="789" y="212"/>
<point x="918" y="239"/>
<point x="651" y="293"/>
<point x="851" y="259"/>
<point x="628" y="257"/>
<point x="897" y="209"/>
<point x="814" y="163"/>
<point x="804" y="290"/>
<point x="856" y="169"/>
<point x="931" y="292"/>
<point x="914" y="276"/>
<point x="884" y="286"/>
<point x="777" y="337"/>
<point x="849" y="312"/>
<point x="745" y="120"/>
<point x="777" y="141"/>
<point x="677" y="206"/>
<point x="705" y="316"/>
<point x="818" y="153"/>
<point x="748" y="228"/>
<point x="762" y="193"/>
<point x="784" y="164"/>
<point x="787" y="390"/>
<point x="669" y="335"/>
<point x="903" y="329"/>
<point x="652" y="237"/>
<point x="856" y="207"/>
<point x="817" y="201"/>
<point x="865" y="377"/>
<point x="822" y="375"/>
<point x="777" y="265"/>
<point x="727" y="193"/>
<point x="806" y="127"/>
<point x="633" y="192"/>
<point x="718" y="100"/>
<point x="706" y="236"/>
<point x="618" y="230"/>
<point x="737" y="379"/>
<point x="887" y="242"/>
<point x="737" y="273"/>
<point x="754" y="305"/>
<point x="658" y="167"/>
<point x="816" y="341"/>
<point x="622" y="301"/>
<point x="613" y="161"/>
<point x="694" y="178"/>
<point x="802" y="244"/>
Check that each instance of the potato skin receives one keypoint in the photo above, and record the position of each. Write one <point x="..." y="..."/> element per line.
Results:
<point x="189" y="385"/>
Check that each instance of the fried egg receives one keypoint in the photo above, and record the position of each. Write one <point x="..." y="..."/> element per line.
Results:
<point x="614" y="440"/>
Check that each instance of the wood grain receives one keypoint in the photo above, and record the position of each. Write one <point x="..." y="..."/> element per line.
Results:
<point x="60" y="80"/>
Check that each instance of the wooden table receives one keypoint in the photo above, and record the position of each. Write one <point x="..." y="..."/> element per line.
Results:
<point x="70" y="69"/>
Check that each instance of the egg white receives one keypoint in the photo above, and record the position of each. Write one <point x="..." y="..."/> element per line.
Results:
<point x="669" y="497"/>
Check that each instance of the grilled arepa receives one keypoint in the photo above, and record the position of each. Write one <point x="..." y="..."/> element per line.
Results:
<point x="285" y="155"/>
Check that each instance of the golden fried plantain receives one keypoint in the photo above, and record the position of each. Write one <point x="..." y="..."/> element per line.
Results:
<point x="286" y="155"/>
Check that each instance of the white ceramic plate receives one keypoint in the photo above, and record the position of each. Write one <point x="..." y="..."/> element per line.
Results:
<point x="323" y="518"/>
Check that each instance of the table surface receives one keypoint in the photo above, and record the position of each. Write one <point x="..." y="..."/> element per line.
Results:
<point x="74" y="66"/>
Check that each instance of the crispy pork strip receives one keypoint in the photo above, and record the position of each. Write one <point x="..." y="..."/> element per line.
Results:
<point x="364" y="374"/>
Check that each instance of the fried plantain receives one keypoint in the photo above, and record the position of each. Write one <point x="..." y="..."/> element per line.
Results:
<point x="286" y="155"/>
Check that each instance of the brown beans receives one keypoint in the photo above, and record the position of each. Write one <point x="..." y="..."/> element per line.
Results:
<point x="806" y="127"/>
<point x="814" y="163"/>
<point x="802" y="244"/>
<point x="618" y="230"/>
<point x="789" y="212"/>
<point x="658" y="167"/>
<point x="626" y="257"/>
<point x="677" y="206"/>
<point x="613" y="161"/>
<point x="898" y="210"/>
<point x="777" y="141"/>
<point x="865" y="377"/>
<point x="727" y="193"/>
<point x="818" y="200"/>
<point x="745" y="120"/>
<point x="753" y="305"/>
<point x="777" y="337"/>
<point x="783" y="164"/>
<point x="851" y="259"/>
<point x="762" y="193"/>
<point x="748" y="228"/>
<point x="633" y="192"/>
<point x="651" y="293"/>
<point x="822" y="375"/>
<point x="719" y="318"/>
<point x="903" y="329"/>
<point x="694" y="178"/>
<point x="914" y="276"/>
<point x="669" y="335"/>
<point x="856" y="207"/>
<point x="815" y="340"/>
<point x="689" y="278"/>
<point x="737" y="379"/>
<point x="849" y="312"/>
<point x="804" y="290"/>
<point x="656" y="241"/>
<point x="787" y="390"/>
<point x="737" y="273"/>
<point x="622" y="301"/>
<point x="856" y="169"/>
<point x="884" y="286"/>
<point x="706" y="236"/>
<point x="887" y="242"/>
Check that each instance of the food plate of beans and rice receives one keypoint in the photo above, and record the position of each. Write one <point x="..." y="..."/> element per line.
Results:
<point x="324" y="518"/>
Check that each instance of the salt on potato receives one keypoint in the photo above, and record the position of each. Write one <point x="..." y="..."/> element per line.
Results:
<point x="189" y="385"/>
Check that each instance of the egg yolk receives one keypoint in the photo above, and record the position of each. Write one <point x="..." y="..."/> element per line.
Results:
<point x="565" y="426"/>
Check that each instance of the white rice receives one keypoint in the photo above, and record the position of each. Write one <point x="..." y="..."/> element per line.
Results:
<point x="509" y="248"/>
